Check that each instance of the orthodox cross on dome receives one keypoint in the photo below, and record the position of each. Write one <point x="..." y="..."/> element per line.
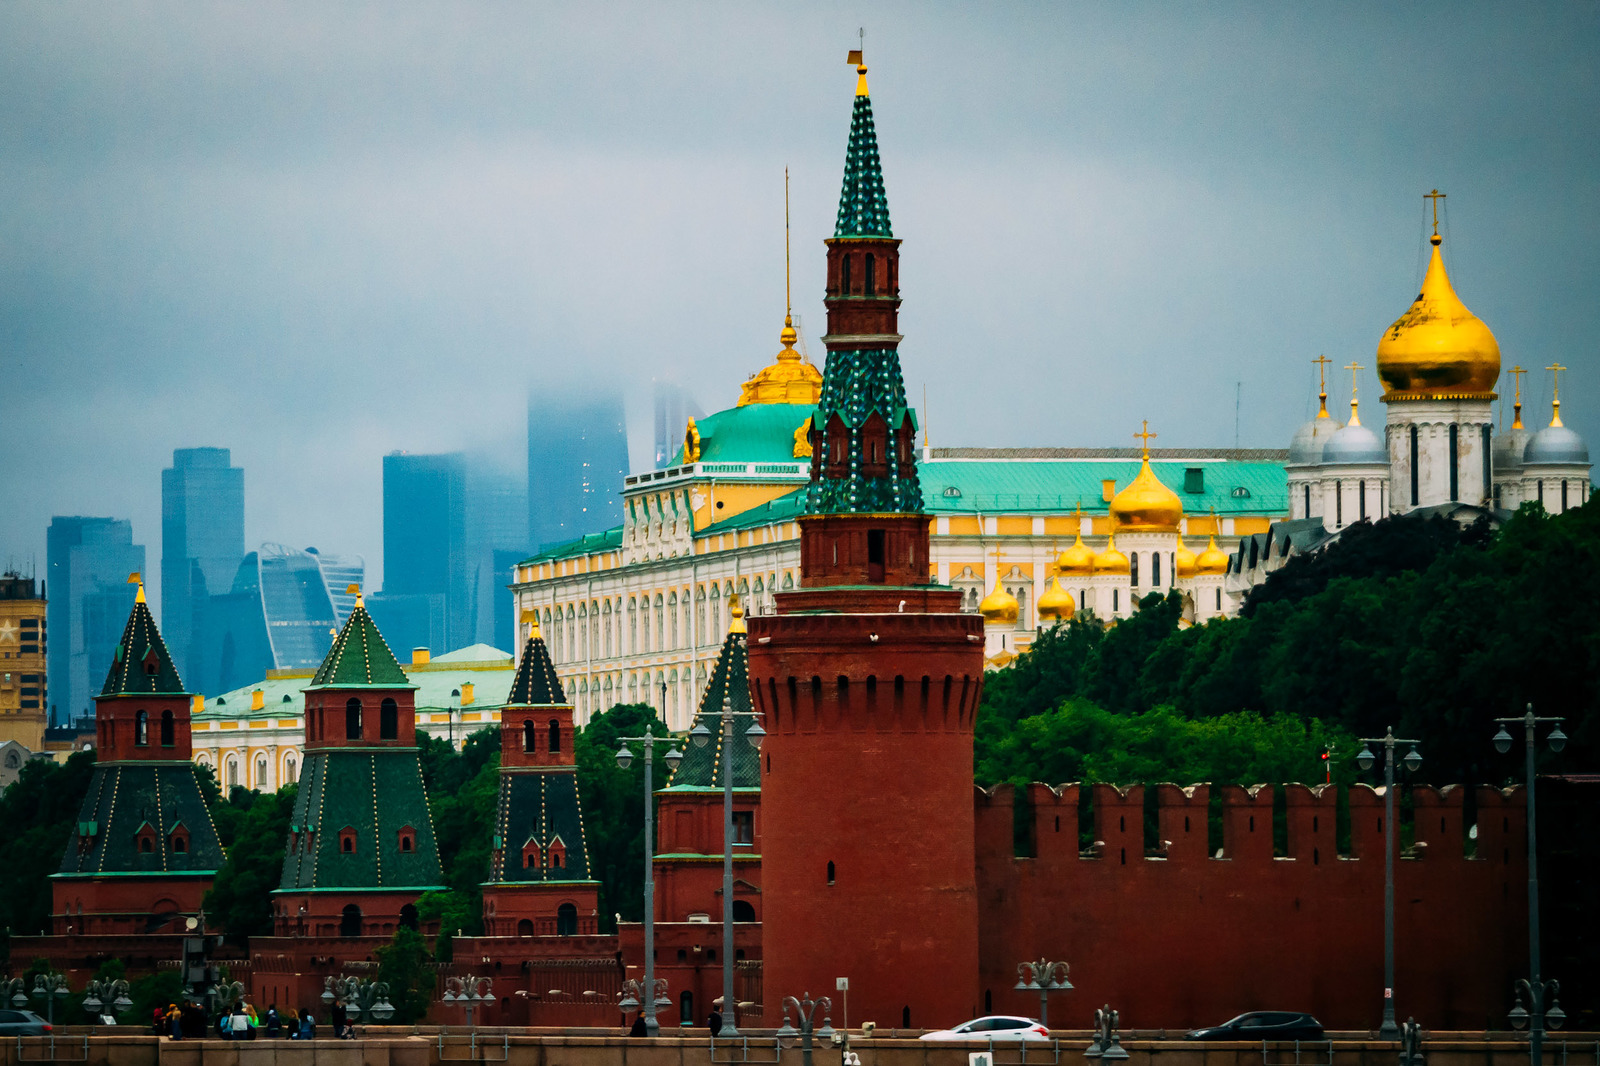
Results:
<point x="1435" y="196"/>
<point x="1146" y="436"/>
<point x="1555" y="408"/>
<point x="1354" y="368"/>
<point x="1322" y="362"/>
<point x="1516" y="409"/>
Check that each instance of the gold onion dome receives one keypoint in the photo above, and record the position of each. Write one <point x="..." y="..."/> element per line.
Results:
<point x="1147" y="504"/>
<point x="999" y="607"/>
<point x="789" y="380"/>
<point x="1111" y="561"/>
<point x="1078" y="559"/>
<point x="1183" y="560"/>
<point x="1212" y="560"/>
<point x="1056" y="603"/>
<point x="1438" y="350"/>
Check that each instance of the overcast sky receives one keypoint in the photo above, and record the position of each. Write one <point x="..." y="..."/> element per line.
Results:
<point x="314" y="233"/>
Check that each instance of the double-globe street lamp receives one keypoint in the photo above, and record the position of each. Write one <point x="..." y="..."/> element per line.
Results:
<point x="49" y="987"/>
<point x="368" y="1000"/>
<point x="701" y="737"/>
<point x="1043" y="977"/>
<point x="468" y="992"/>
<point x="1536" y="1005"/>
<point x="108" y="997"/>
<point x="1389" y="1030"/>
<point x="624" y="760"/>
<point x="805" y="1009"/>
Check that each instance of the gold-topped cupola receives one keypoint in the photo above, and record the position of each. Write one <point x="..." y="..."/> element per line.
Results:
<point x="1146" y="504"/>
<point x="791" y="379"/>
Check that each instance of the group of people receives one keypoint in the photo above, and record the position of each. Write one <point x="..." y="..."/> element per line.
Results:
<point x="241" y="1022"/>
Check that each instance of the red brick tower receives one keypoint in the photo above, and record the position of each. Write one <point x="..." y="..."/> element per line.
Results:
<point x="869" y="676"/>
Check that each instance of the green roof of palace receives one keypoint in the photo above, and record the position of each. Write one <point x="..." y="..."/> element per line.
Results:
<point x="754" y="433"/>
<point x="141" y="665"/>
<point x="539" y="808"/>
<point x="284" y="696"/>
<point x="702" y="767"/>
<point x="863" y="205"/>
<point x="588" y="544"/>
<point x="122" y="798"/>
<point x="536" y="683"/>
<point x="360" y="657"/>
<point x="375" y="792"/>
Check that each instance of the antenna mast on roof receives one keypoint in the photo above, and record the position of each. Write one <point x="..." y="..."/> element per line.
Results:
<point x="1238" y="387"/>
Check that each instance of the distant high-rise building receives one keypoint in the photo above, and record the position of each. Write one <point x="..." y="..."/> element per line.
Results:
<point x="425" y="534"/>
<point x="497" y="538"/>
<point x="88" y="562"/>
<point x="23" y="646"/>
<point x="674" y="407"/>
<point x="577" y="459"/>
<point x="202" y="541"/>
<point x="280" y="614"/>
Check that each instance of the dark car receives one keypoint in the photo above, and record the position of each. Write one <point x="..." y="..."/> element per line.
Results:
<point x="1264" y="1025"/>
<point x="22" y="1023"/>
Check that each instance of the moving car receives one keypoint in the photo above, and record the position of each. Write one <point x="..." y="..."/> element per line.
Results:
<point x="993" y="1027"/>
<point x="22" y="1023"/>
<point x="1263" y="1025"/>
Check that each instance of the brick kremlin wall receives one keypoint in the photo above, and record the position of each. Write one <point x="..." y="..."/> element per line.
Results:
<point x="1175" y="937"/>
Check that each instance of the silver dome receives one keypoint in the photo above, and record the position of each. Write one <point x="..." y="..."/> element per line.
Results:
<point x="1355" y="444"/>
<point x="1508" y="449"/>
<point x="1556" y="446"/>
<point x="1305" y="448"/>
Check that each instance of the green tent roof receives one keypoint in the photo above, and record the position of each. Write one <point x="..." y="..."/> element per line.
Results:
<point x="141" y="665"/>
<point x="376" y="793"/>
<point x="540" y="807"/>
<point x="122" y="798"/>
<point x="863" y="205"/>
<point x="730" y="679"/>
<point x="536" y="683"/>
<point x="360" y="656"/>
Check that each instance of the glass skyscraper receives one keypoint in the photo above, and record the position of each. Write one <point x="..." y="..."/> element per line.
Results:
<point x="577" y="460"/>
<point x="202" y="542"/>
<point x="88" y="561"/>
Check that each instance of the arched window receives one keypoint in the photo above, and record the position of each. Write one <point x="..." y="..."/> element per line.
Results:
<point x="661" y="624"/>
<point x="350" y="921"/>
<point x="1133" y="569"/>
<point x="672" y="609"/>
<point x="1114" y="605"/>
<point x="389" y="720"/>
<point x="530" y="735"/>
<point x="407" y="838"/>
<point x="686" y="1007"/>
<point x="233" y="772"/>
<point x="871" y="286"/>
<point x="141" y="729"/>
<point x="167" y="731"/>
<point x="555" y="735"/>
<point x="525" y="927"/>
<point x="1455" y="445"/>
<point x="1219" y="599"/>
<point x="566" y="920"/>
<point x="347" y="841"/>
<point x="830" y="871"/>
<point x="1305" y="510"/>
<point x="743" y="911"/>
<point x="261" y="771"/>
<point x="1155" y="569"/>
<point x="289" y="768"/>
<point x="844" y="274"/>
<point x="1414" y="480"/>
<point x="352" y="720"/>
<point x="408" y="917"/>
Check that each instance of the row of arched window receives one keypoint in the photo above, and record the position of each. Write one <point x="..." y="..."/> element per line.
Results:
<point x="605" y="629"/>
<point x="141" y="729"/>
<point x="354" y="729"/>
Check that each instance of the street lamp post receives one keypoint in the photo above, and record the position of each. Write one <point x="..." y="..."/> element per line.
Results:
<point x="634" y="995"/>
<point x="1107" y="1043"/>
<point x="109" y="997"/>
<point x="13" y="989"/>
<point x="367" y="999"/>
<point x="1537" y="1005"/>
<point x="455" y="709"/>
<point x="805" y="1012"/>
<point x="223" y="994"/>
<point x="468" y="991"/>
<point x="1389" y="1030"/>
<point x="50" y="987"/>
<point x="701" y="737"/>
<point x="1043" y="977"/>
<point x="624" y="760"/>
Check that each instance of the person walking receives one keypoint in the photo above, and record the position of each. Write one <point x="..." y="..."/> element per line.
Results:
<point x="714" y="1022"/>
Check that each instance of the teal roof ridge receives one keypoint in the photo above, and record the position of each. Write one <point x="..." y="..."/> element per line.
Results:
<point x="360" y="656"/>
<point x="141" y="644"/>
<point x="863" y="205"/>
<point x="730" y="680"/>
<point x="605" y="540"/>
<point x="750" y="433"/>
<point x="855" y="384"/>
<point x="536" y="683"/>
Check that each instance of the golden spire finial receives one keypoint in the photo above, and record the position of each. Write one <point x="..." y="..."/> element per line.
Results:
<point x="531" y="617"/>
<point x="854" y="58"/>
<point x="1322" y="362"/>
<point x="1355" y="419"/>
<point x="1555" y="403"/>
<point x="736" y="616"/>
<point x="1145" y="435"/>
<point x="1435" y="196"/>
<point x="356" y="590"/>
<point x="137" y="578"/>
<point x="1516" y="410"/>
<point x="788" y="302"/>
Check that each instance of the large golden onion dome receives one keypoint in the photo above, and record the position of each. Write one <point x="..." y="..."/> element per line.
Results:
<point x="1147" y="504"/>
<point x="999" y="607"/>
<point x="1111" y="561"/>
<point x="1212" y="560"/>
<point x="1183" y="560"/>
<point x="1056" y="603"/>
<point x="1078" y="559"/>
<point x="1438" y="350"/>
<point x="790" y="380"/>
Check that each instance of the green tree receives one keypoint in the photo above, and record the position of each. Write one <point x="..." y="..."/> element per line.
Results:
<point x="463" y="790"/>
<point x="404" y="965"/>
<point x="240" y="899"/>
<point x="613" y="802"/>
<point x="38" y="816"/>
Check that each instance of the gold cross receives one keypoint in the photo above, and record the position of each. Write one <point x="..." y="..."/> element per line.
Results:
<point x="1353" y="367"/>
<point x="1322" y="362"/>
<point x="1555" y="400"/>
<point x="1516" y="376"/>
<point x="1556" y="369"/>
<point x="1145" y="435"/>
<point x="1435" y="196"/>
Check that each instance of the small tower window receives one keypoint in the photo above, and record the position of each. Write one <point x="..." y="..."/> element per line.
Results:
<point x="530" y="736"/>
<point x="167" y="730"/>
<point x="566" y="920"/>
<point x="141" y="729"/>
<point x="872" y="275"/>
<point x="389" y="720"/>
<point x="1455" y="470"/>
<point x="1415" y="483"/>
<point x="555" y="735"/>
<point x="1155" y="569"/>
<point x="830" y="871"/>
<point x="844" y="276"/>
<point x="347" y="841"/>
<point x="352" y="720"/>
<point x="1133" y="569"/>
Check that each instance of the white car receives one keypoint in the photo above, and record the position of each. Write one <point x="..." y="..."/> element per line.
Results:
<point x="993" y="1027"/>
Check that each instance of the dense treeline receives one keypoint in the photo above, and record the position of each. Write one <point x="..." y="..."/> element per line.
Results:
<point x="1410" y="622"/>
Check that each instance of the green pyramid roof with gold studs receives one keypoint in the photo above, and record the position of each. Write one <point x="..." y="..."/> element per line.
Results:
<point x="360" y="658"/>
<point x="863" y="205"/>
<point x="701" y="768"/>
<point x="536" y="683"/>
<point x="141" y="666"/>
